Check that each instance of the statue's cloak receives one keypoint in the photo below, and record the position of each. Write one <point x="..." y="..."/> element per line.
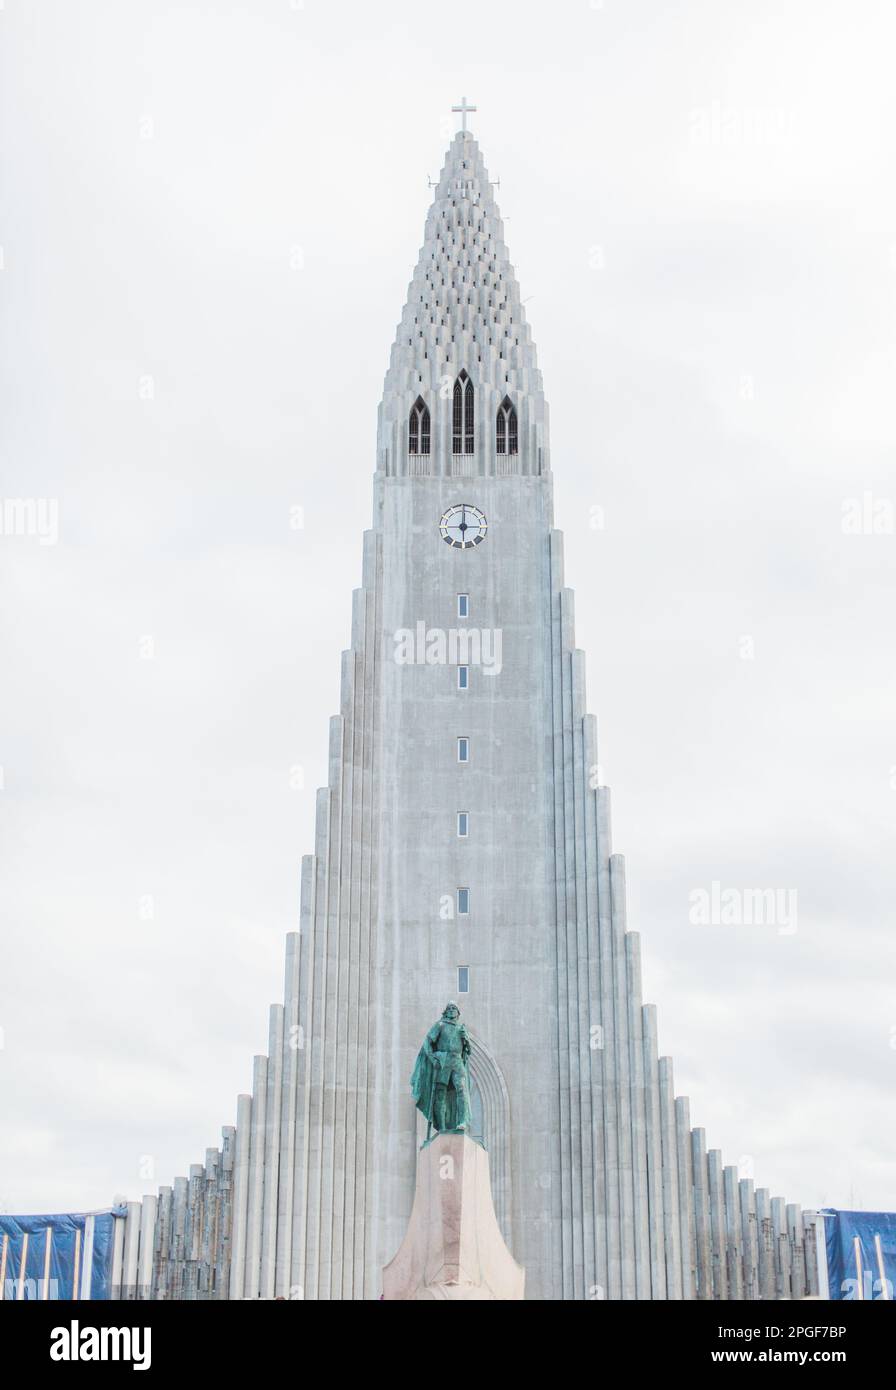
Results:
<point x="423" y="1082"/>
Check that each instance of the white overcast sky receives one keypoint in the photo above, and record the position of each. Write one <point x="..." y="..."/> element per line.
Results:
<point x="228" y="199"/>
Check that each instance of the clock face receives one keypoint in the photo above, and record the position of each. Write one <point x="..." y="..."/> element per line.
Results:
<point x="463" y="526"/>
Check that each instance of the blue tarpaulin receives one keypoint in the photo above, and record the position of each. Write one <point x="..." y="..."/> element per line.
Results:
<point x="861" y="1253"/>
<point x="59" y="1256"/>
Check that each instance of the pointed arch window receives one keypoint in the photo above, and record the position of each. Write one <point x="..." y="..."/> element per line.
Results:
<point x="463" y="433"/>
<point x="418" y="427"/>
<point x="507" y="433"/>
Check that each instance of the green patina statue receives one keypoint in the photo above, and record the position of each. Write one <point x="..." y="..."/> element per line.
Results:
<point x="440" y="1084"/>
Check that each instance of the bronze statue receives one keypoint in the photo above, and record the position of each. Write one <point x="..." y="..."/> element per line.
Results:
<point x="440" y="1084"/>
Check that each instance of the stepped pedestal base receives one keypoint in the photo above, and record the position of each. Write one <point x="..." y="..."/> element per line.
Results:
<point x="453" y="1248"/>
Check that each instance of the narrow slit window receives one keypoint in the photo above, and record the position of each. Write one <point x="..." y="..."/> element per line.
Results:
<point x="463" y="677"/>
<point x="463" y="750"/>
<point x="463" y="824"/>
<point x="463" y="605"/>
<point x="463" y="902"/>
<point x="463" y="979"/>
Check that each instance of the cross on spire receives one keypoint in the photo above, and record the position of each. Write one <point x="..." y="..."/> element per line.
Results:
<point x="464" y="110"/>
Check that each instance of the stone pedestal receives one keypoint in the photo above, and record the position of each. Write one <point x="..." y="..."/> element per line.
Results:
<point x="453" y="1247"/>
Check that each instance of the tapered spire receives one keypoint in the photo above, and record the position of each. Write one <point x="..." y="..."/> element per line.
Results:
<point x="463" y="313"/>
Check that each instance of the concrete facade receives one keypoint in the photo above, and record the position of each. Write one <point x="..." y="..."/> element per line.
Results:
<point x="601" y="1188"/>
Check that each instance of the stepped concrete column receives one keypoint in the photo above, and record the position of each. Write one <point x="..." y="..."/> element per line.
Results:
<point x="131" y="1248"/>
<point x="702" y="1220"/>
<point x="148" y="1209"/>
<point x="240" y="1197"/>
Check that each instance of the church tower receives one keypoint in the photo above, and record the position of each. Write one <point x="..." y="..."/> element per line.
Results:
<point x="463" y="852"/>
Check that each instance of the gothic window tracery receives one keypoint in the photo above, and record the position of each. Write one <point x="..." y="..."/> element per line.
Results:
<point x="463" y="432"/>
<point x="418" y="428"/>
<point x="507" y="435"/>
